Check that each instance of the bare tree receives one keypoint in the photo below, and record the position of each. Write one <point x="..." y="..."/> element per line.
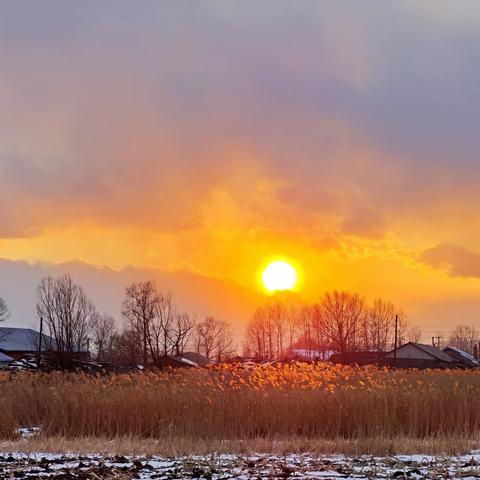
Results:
<point x="126" y="349"/>
<point x="305" y="327"/>
<point x="313" y="331"/>
<point x="292" y="323"/>
<point x="170" y="329"/>
<point x="181" y="333"/>
<point x="414" y="334"/>
<point x="68" y="315"/>
<point x="4" y="310"/>
<point x="273" y="328"/>
<point x="139" y="309"/>
<point x="213" y="339"/>
<point x="342" y="313"/>
<point x="4" y="315"/>
<point x="341" y="322"/>
<point x="403" y="329"/>
<point x="104" y="333"/>
<point x="464" y="337"/>
<point x="255" y="342"/>
<point x="264" y="332"/>
<point x="378" y="326"/>
<point x="162" y="327"/>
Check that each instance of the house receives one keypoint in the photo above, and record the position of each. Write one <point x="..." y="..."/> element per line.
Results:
<point x="419" y="355"/>
<point x="357" y="358"/>
<point x="19" y="342"/>
<point x="464" y="359"/>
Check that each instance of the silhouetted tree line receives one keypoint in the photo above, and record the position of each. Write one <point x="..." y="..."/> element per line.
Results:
<point x="341" y="322"/>
<point x="154" y="328"/>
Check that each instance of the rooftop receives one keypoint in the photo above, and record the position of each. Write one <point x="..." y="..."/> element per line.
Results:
<point x="14" y="339"/>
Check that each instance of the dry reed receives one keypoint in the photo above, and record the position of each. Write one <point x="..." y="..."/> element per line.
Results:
<point x="322" y="403"/>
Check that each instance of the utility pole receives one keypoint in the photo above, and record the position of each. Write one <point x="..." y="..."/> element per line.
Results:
<point x="396" y="342"/>
<point x="39" y="351"/>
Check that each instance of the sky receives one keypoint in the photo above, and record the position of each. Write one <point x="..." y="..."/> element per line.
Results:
<point x="199" y="139"/>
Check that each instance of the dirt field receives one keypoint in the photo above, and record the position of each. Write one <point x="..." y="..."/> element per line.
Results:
<point x="93" y="467"/>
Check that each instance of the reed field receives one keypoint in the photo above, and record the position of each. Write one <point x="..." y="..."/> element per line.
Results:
<point x="301" y="404"/>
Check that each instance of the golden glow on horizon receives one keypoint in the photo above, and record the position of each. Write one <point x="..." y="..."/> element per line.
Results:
<point x="279" y="276"/>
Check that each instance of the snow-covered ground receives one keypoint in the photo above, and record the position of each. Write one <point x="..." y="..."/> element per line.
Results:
<point x="52" y="466"/>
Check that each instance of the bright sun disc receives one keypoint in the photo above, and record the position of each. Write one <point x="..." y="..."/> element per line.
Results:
<point x="279" y="275"/>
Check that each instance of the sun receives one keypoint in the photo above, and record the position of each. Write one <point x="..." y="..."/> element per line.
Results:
<point x="279" y="276"/>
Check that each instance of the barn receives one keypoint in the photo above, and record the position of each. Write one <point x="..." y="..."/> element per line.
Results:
<point x="419" y="355"/>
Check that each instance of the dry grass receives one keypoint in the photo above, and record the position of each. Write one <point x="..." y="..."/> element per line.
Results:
<point x="293" y="407"/>
<point x="186" y="447"/>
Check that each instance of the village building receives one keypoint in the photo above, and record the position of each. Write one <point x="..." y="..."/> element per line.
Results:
<point x="19" y="343"/>
<point x="463" y="359"/>
<point x="357" y="358"/>
<point x="419" y="355"/>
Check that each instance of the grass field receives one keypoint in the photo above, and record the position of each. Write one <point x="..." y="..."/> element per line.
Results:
<point x="292" y="407"/>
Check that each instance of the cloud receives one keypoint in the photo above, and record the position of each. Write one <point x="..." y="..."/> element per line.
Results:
<point x="209" y="121"/>
<point x="364" y="221"/>
<point x="458" y="260"/>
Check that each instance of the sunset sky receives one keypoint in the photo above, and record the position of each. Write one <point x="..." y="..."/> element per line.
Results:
<point x="200" y="139"/>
